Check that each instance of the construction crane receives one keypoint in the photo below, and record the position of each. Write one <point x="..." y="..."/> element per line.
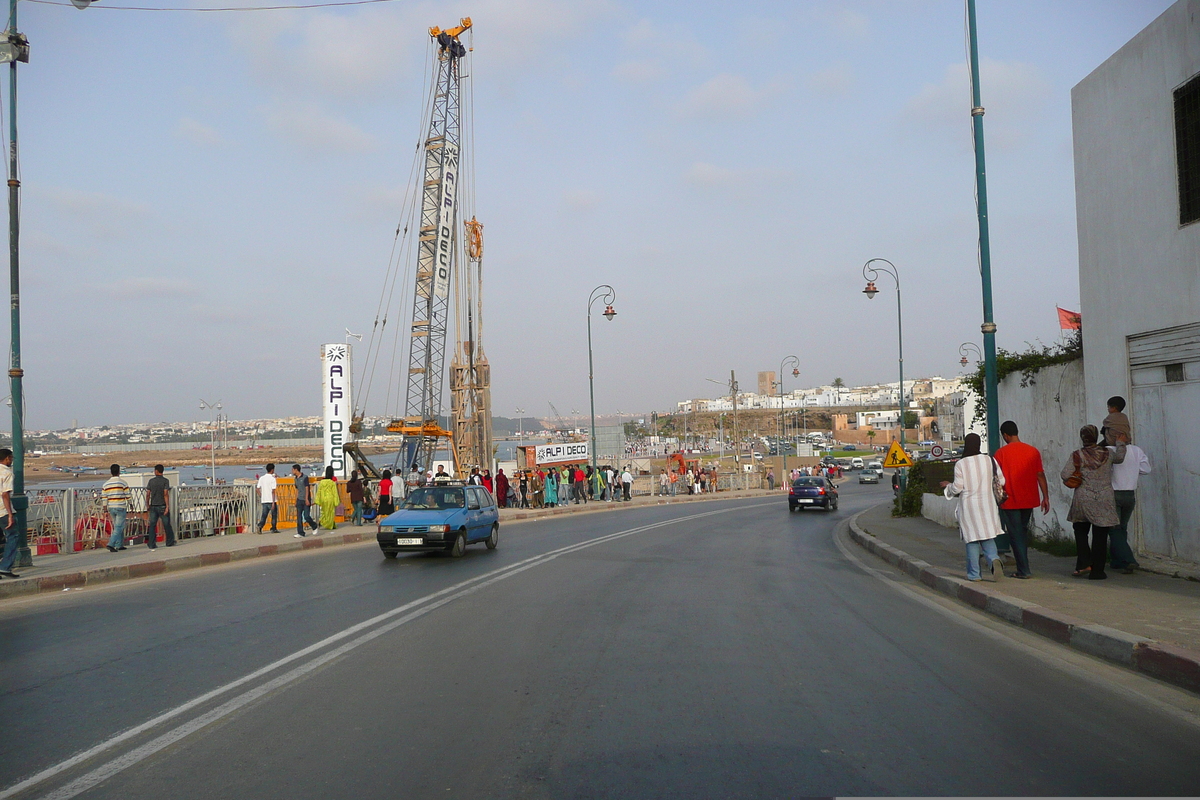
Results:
<point x="437" y="252"/>
<point x="470" y="374"/>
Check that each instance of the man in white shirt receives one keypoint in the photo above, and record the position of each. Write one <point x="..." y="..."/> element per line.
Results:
<point x="1124" y="483"/>
<point x="627" y="482"/>
<point x="266" y="495"/>
<point x="11" y="538"/>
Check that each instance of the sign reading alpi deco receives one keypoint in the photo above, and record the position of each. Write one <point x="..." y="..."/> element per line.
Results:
<point x="561" y="453"/>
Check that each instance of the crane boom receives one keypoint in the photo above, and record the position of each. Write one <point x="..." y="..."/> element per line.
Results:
<point x="436" y="251"/>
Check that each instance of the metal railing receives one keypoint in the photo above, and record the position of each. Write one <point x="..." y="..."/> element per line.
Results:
<point x="72" y="520"/>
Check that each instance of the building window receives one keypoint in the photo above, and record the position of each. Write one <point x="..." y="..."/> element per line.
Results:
<point x="1187" y="149"/>
<point x="1175" y="373"/>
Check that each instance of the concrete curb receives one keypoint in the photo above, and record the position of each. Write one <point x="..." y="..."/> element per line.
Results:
<point x="146" y="569"/>
<point x="1166" y="662"/>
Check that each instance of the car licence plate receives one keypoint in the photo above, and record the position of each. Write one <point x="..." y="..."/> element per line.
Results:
<point x="409" y="540"/>
<point x="805" y="500"/>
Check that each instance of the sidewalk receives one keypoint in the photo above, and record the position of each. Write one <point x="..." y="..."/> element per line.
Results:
<point x="55" y="573"/>
<point x="1147" y="621"/>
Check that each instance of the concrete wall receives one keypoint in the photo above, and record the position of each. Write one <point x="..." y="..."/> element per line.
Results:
<point x="1137" y="266"/>
<point x="1049" y="413"/>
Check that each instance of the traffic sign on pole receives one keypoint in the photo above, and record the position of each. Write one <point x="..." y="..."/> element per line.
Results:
<point x="896" y="457"/>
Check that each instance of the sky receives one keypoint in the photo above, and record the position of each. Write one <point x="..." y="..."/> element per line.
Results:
<point x="207" y="197"/>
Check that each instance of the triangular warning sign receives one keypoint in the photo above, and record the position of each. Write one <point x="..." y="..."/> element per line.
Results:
<point x="896" y="457"/>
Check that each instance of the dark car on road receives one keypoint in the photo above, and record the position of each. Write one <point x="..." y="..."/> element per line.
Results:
<point x="809" y="491"/>
<point x="444" y="518"/>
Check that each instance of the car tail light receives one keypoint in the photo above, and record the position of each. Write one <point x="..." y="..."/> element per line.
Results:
<point x="820" y="491"/>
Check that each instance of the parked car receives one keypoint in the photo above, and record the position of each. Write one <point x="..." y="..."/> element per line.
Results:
<point x="444" y="518"/>
<point x="851" y="447"/>
<point x="808" y="491"/>
<point x="867" y="476"/>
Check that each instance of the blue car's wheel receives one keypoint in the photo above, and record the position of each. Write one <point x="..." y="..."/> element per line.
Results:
<point x="460" y="545"/>
<point x="494" y="539"/>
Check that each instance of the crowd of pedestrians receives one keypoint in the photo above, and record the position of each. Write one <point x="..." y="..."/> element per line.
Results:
<point x="998" y="495"/>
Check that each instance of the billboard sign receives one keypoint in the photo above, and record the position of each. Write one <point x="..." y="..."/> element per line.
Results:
<point x="565" y="453"/>
<point x="335" y="390"/>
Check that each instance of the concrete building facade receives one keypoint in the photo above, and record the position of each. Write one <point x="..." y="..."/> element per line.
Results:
<point x="1136" y="122"/>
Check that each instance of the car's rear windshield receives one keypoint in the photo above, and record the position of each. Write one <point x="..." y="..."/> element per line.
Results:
<point x="809" y="482"/>
<point x="435" y="498"/>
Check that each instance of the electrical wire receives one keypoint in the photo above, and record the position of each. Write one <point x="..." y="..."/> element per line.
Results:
<point x="222" y="9"/>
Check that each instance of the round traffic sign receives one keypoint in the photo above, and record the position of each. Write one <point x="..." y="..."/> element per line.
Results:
<point x="936" y="451"/>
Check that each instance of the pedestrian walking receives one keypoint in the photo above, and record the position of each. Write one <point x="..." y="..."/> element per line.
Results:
<point x="663" y="483"/>
<point x="1094" y="506"/>
<point x="627" y="483"/>
<point x="579" y="487"/>
<point x="328" y="499"/>
<point x="691" y="482"/>
<point x="441" y="477"/>
<point x="1025" y="483"/>
<point x="523" y="483"/>
<point x="552" y="488"/>
<point x="501" y="488"/>
<point x="303" y="500"/>
<point x="158" y="507"/>
<point x="386" y="504"/>
<point x="11" y="535"/>
<point x="771" y="480"/>
<point x="976" y="476"/>
<point x="488" y="483"/>
<point x="267" y="485"/>
<point x="354" y="487"/>
<point x="475" y="479"/>
<point x="115" y="496"/>
<point x="1124" y="481"/>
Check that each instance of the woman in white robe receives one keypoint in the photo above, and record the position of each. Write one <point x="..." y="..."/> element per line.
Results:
<point x="977" y="512"/>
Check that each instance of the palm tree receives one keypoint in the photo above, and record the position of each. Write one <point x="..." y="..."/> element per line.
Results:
<point x="839" y="384"/>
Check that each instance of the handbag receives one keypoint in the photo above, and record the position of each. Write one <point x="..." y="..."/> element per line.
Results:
<point x="998" y="490"/>
<point x="1075" y="479"/>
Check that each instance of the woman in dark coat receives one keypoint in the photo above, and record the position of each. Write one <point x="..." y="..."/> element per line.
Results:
<point x="501" y="488"/>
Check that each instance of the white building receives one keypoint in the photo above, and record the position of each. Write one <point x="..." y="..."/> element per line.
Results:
<point x="1136" y="125"/>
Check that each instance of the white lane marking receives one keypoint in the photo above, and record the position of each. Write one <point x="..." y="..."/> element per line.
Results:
<point x="447" y="595"/>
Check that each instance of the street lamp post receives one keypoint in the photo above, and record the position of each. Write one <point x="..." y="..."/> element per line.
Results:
<point x="15" y="47"/>
<point x="795" y="364"/>
<point x="520" y="424"/>
<point x="872" y="274"/>
<point x="990" y="383"/>
<point x="608" y="296"/>
<point x="213" y="431"/>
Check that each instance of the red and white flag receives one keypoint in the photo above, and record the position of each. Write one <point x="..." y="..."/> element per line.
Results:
<point x="1068" y="320"/>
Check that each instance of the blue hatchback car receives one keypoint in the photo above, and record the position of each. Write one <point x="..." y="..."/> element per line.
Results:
<point x="446" y="518"/>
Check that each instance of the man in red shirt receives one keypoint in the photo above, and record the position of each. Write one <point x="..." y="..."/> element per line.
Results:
<point x="1025" y="482"/>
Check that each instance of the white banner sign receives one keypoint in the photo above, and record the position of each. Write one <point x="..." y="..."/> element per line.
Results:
<point x="561" y="453"/>
<point x="443" y="245"/>
<point x="335" y="387"/>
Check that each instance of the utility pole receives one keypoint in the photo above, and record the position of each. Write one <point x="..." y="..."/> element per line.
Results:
<point x="737" y="442"/>
<point x="990" y="384"/>
<point x="15" y="48"/>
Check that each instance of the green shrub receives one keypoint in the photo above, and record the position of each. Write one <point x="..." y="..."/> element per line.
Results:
<point x="923" y="476"/>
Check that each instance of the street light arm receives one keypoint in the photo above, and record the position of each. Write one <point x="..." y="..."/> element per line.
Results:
<point x="871" y="273"/>
<point x="967" y="347"/>
<point x="608" y="297"/>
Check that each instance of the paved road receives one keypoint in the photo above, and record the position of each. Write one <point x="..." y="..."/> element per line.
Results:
<point x="720" y="649"/>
